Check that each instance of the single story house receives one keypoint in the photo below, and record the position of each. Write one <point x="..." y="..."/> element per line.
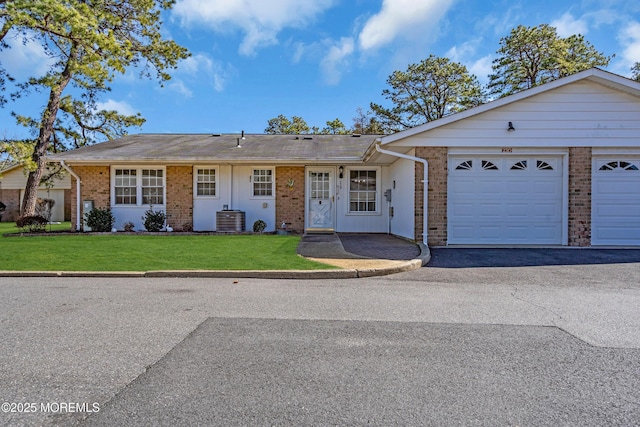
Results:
<point x="558" y="164"/>
<point x="13" y="181"/>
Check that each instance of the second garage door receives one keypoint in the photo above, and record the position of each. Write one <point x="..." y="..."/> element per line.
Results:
<point x="616" y="202"/>
<point x="505" y="200"/>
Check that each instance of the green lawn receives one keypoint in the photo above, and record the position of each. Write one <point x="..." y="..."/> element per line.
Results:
<point x="126" y="252"/>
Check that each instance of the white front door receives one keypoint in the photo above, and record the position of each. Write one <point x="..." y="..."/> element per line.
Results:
<point x="320" y="199"/>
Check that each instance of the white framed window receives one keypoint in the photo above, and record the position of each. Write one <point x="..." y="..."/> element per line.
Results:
<point x="138" y="186"/>
<point x="125" y="186"/>
<point x="152" y="187"/>
<point x="206" y="181"/>
<point x="262" y="182"/>
<point x="363" y="190"/>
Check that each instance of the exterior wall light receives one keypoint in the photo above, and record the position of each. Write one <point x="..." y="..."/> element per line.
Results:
<point x="341" y="172"/>
<point x="510" y="128"/>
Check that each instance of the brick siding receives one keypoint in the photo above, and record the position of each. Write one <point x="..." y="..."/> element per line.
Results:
<point x="95" y="186"/>
<point x="290" y="201"/>
<point x="179" y="201"/>
<point x="580" y="196"/>
<point x="437" y="195"/>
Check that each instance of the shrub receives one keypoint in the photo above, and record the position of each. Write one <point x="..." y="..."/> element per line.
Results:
<point x="187" y="227"/>
<point x="129" y="226"/>
<point x="259" y="226"/>
<point x="154" y="220"/>
<point x="100" y="219"/>
<point x="2" y="208"/>
<point x="33" y="223"/>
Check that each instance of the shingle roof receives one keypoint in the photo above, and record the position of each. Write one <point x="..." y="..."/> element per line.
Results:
<point x="206" y="147"/>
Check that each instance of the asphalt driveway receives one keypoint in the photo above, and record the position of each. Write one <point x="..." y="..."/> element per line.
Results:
<point x="529" y="257"/>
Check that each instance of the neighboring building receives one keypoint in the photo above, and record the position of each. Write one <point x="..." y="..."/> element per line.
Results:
<point x="13" y="181"/>
<point x="558" y="164"/>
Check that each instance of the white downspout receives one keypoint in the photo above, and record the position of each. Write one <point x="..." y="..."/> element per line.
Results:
<point x="425" y="180"/>
<point x="68" y="169"/>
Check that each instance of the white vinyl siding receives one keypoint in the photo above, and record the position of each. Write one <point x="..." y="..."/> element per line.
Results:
<point x="581" y="114"/>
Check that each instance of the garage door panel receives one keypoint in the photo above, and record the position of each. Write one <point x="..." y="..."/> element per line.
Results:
<point x="616" y="188"/>
<point x="546" y="211"/>
<point x="488" y="211"/>
<point x="620" y="233"/>
<point x="615" y="206"/>
<point x="463" y="212"/>
<point x="505" y="206"/>
<point x="619" y="212"/>
<point x="518" y="187"/>
<point x="461" y="232"/>
<point x="488" y="187"/>
<point x="462" y="186"/>
<point x="519" y="211"/>
<point x="546" y="187"/>
<point x="488" y="231"/>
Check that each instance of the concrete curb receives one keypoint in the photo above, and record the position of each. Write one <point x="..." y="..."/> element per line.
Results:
<point x="423" y="259"/>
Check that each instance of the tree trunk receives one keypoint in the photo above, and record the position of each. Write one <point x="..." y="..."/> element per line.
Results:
<point x="42" y="143"/>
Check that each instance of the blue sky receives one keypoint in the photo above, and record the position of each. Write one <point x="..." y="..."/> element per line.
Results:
<point x="322" y="59"/>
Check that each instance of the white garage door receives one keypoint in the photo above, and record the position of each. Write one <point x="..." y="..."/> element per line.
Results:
<point x="505" y="200"/>
<point x="616" y="202"/>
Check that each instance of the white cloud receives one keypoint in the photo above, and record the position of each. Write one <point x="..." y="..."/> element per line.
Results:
<point x="335" y="61"/>
<point x="195" y="64"/>
<point x="401" y="18"/>
<point x="180" y="87"/>
<point x="25" y="58"/>
<point x="463" y="53"/>
<point x="120" y="106"/>
<point x="629" y="37"/>
<point x="567" y="25"/>
<point x="259" y="20"/>
<point x="482" y="68"/>
<point x="198" y="68"/>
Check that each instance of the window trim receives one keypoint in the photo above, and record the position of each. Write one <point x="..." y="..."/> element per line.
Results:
<point x="378" y="191"/>
<point x="138" y="170"/>
<point x="273" y="183"/>
<point x="195" y="182"/>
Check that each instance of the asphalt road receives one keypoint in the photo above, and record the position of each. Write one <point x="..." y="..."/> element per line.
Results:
<point x="443" y="345"/>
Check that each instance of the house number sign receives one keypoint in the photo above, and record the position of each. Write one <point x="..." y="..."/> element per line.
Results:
<point x="507" y="150"/>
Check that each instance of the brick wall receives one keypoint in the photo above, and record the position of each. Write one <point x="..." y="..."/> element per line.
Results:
<point x="437" y="195"/>
<point x="580" y="196"/>
<point x="11" y="199"/>
<point x="290" y="201"/>
<point x="179" y="197"/>
<point x="95" y="186"/>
